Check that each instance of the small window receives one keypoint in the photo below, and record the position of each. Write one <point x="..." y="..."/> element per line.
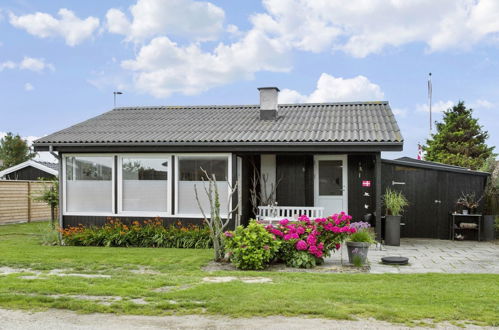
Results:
<point x="144" y="184"/>
<point x="191" y="176"/>
<point x="89" y="186"/>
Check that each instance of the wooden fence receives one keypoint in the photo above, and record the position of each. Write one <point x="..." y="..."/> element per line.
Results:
<point x="17" y="204"/>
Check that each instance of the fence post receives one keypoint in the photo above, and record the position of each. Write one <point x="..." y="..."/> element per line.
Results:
<point x="29" y="201"/>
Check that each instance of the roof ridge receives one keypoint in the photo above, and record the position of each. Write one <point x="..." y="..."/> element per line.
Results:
<point x="153" y="107"/>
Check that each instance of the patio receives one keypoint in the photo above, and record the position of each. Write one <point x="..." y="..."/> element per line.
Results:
<point x="433" y="256"/>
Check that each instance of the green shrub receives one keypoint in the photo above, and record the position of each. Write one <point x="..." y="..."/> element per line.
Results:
<point x="251" y="247"/>
<point x="302" y="259"/>
<point x="150" y="233"/>
<point x="394" y="202"/>
<point x="362" y="235"/>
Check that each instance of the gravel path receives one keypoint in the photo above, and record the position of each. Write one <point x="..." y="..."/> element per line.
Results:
<point x="67" y="320"/>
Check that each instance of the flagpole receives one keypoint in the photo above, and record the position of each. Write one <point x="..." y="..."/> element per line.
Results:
<point x="430" y="91"/>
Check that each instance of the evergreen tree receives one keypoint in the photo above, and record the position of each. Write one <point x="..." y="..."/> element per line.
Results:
<point x="459" y="140"/>
<point x="14" y="150"/>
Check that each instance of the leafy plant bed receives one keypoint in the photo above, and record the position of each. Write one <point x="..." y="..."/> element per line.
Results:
<point x="149" y="233"/>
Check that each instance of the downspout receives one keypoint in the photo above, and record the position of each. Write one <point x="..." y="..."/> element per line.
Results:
<point x="59" y="158"/>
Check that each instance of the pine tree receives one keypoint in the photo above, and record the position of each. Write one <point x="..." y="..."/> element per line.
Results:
<point x="14" y="150"/>
<point x="459" y="140"/>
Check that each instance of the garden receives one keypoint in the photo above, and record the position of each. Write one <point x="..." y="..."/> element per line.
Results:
<point x="165" y="281"/>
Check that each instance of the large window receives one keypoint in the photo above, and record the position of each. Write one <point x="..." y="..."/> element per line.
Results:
<point x="89" y="185"/>
<point x="190" y="174"/>
<point x="144" y="184"/>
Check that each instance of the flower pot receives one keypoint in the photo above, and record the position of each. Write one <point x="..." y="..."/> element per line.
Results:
<point x="357" y="251"/>
<point x="488" y="232"/>
<point x="465" y="211"/>
<point x="392" y="230"/>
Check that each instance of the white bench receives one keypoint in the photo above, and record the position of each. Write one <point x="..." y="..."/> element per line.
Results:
<point x="272" y="214"/>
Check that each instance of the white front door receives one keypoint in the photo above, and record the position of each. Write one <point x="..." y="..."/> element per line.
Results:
<point x="330" y="183"/>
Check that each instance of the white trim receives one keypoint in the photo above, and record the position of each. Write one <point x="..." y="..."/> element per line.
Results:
<point x="201" y="155"/>
<point x="119" y="195"/>
<point x="344" y="159"/>
<point x="28" y="163"/>
<point x="65" y="200"/>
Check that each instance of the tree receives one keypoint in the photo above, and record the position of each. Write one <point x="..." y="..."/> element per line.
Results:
<point x="14" y="150"/>
<point x="50" y="195"/>
<point x="216" y="222"/>
<point x="459" y="140"/>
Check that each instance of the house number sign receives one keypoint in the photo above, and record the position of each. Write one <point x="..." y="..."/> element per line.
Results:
<point x="366" y="183"/>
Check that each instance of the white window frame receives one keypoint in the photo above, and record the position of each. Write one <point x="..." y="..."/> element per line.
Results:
<point x="117" y="184"/>
<point x="64" y="183"/>
<point x="201" y="190"/>
<point x="120" y="210"/>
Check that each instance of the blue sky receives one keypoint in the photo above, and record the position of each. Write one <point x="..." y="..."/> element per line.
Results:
<point x="60" y="61"/>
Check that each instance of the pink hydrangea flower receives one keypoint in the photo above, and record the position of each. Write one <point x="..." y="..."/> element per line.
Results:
<point x="304" y="218"/>
<point x="266" y="247"/>
<point x="301" y="245"/>
<point x="300" y="230"/>
<point x="284" y="222"/>
<point x="337" y="246"/>
<point x="277" y="232"/>
<point x="311" y="240"/>
<point x="228" y="234"/>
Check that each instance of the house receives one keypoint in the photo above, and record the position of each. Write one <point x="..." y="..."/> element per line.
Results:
<point x="145" y="161"/>
<point x="30" y="170"/>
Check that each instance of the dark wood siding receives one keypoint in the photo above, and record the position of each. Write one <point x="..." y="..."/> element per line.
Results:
<point x="29" y="173"/>
<point x="296" y="187"/>
<point x="361" y="168"/>
<point x="432" y="195"/>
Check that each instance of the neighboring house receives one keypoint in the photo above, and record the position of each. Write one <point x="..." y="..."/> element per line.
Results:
<point x="30" y="170"/>
<point x="145" y="161"/>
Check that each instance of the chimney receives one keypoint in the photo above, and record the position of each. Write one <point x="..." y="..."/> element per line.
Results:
<point x="268" y="103"/>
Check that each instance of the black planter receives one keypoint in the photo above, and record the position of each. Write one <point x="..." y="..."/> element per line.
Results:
<point x="392" y="230"/>
<point x="357" y="250"/>
<point x="489" y="231"/>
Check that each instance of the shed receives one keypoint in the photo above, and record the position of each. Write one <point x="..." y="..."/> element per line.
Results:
<point x="30" y="170"/>
<point x="432" y="190"/>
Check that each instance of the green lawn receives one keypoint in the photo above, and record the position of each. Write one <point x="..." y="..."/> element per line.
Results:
<point x="136" y="272"/>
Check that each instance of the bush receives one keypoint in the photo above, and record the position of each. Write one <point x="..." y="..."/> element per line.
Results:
<point x="305" y="243"/>
<point x="150" y="233"/>
<point x="363" y="234"/>
<point x="251" y="247"/>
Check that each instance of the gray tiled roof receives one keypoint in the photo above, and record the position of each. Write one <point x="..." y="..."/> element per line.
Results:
<point x="325" y="122"/>
<point x="54" y="166"/>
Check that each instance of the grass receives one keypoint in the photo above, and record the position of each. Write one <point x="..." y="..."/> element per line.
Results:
<point x="397" y="298"/>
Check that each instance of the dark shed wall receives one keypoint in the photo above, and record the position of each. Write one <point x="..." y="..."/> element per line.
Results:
<point x="29" y="173"/>
<point x="432" y="195"/>
<point x="361" y="168"/>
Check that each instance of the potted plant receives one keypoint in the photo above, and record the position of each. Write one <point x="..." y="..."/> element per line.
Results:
<point x="491" y="199"/>
<point x="358" y="243"/>
<point x="394" y="202"/>
<point x="469" y="202"/>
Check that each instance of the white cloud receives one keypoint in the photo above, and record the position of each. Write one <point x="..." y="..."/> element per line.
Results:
<point x="162" y="67"/>
<point x="28" y="87"/>
<point x="439" y="106"/>
<point x="35" y="64"/>
<point x="482" y="104"/>
<point x="7" y="65"/>
<point x="333" y="89"/>
<point x="360" y="27"/>
<point x="400" y="112"/>
<point x="194" y="19"/>
<point x="73" y="29"/>
<point x="28" y="63"/>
